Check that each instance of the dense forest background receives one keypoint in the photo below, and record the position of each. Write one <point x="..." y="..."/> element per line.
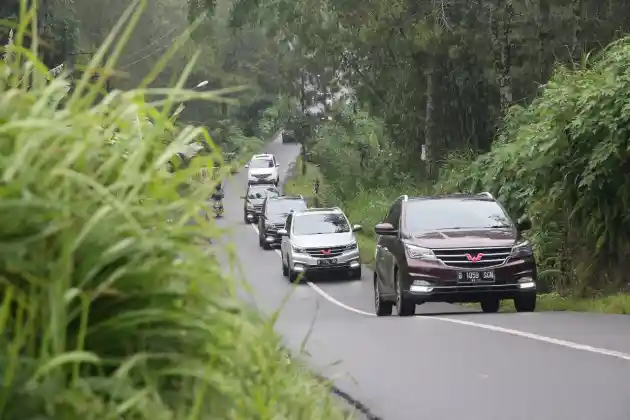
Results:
<point x="523" y="99"/>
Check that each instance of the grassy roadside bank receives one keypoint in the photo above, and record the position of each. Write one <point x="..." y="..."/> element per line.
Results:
<point x="112" y="304"/>
<point x="367" y="212"/>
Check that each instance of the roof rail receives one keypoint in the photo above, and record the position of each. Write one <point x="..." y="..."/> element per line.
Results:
<point x="486" y="194"/>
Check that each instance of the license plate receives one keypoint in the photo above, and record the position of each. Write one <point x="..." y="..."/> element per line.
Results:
<point x="475" y="276"/>
<point x="327" y="261"/>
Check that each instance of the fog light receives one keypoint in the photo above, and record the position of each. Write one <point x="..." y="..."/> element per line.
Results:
<point x="526" y="283"/>
<point x="269" y="239"/>
<point x="421" y="289"/>
<point x="355" y="264"/>
<point x="298" y="267"/>
<point x="250" y="216"/>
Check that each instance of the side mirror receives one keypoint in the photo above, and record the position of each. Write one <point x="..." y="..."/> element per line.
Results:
<point x="243" y="197"/>
<point x="356" y="228"/>
<point x="277" y="165"/>
<point x="283" y="232"/>
<point x="523" y="224"/>
<point x="386" y="229"/>
<point x="247" y="165"/>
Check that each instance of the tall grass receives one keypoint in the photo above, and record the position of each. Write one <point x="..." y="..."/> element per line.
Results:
<point x="107" y="310"/>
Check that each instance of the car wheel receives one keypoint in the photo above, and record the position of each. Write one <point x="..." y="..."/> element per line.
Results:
<point x="404" y="306"/>
<point x="525" y="303"/>
<point x="261" y="242"/>
<point x="490" y="305"/>
<point x="381" y="307"/>
<point x="355" y="274"/>
<point x="285" y="268"/>
<point x="265" y="245"/>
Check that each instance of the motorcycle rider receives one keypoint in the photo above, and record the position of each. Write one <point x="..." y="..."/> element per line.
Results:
<point x="218" y="193"/>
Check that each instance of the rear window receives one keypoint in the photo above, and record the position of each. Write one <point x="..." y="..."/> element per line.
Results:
<point x="262" y="191"/>
<point x="448" y="214"/>
<point x="261" y="163"/>
<point x="318" y="224"/>
<point x="284" y="206"/>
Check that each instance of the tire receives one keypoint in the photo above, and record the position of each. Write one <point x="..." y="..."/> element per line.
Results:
<point x="355" y="274"/>
<point x="525" y="303"/>
<point x="381" y="307"/>
<point x="245" y="219"/>
<point x="265" y="245"/>
<point x="260" y="242"/>
<point x="490" y="305"/>
<point x="285" y="269"/>
<point x="404" y="306"/>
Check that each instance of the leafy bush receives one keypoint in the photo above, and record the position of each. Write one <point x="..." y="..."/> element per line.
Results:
<point x="563" y="160"/>
<point x="108" y="310"/>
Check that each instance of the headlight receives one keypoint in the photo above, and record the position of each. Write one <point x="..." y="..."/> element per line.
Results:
<point x="419" y="253"/>
<point x="298" y="250"/>
<point x="268" y="225"/>
<point x="350" y="246"/>
<point x="522" y="250"/>
<point x="249" y="205"/>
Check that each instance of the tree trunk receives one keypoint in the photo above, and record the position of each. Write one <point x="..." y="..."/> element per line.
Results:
<point x="429" y="123"/>
<point x="500" y="29"/>
<point x="302" y="137"/>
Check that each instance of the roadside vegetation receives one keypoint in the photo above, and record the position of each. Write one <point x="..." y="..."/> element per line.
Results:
<point x="524" y="100"/>
<point x="112" y="306"/>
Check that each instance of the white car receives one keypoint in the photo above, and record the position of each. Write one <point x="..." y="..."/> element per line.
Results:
<point x="263" y="169"/>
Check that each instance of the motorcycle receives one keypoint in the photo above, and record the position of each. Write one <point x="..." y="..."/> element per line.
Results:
<point x="217" y="207"/>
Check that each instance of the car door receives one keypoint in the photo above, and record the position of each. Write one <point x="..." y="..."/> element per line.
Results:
<point x="284" y="243"/>
<point x="261" y="218"/>
<point x="388" y="246"/>
<point x="383" y="257"/>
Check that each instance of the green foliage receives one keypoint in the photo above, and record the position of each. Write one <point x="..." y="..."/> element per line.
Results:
<point x="564" y="159"/>
<point x="112" y="305"/>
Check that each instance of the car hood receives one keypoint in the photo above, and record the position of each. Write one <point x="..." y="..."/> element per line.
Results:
<point x="256" y="200"/>
<point x="262" y="171"/>
<point x="464" y="238"/>
<point x="323" y="240"/>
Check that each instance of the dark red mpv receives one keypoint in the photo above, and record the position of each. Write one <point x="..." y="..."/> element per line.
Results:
<point x="454" y="248"/>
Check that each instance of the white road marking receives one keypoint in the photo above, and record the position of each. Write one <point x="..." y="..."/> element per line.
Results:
<point x="563" y="343"/>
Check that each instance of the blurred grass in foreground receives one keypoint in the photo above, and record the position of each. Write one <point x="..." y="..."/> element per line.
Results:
<point x="368" y="208"/>
<point x="98" y="319"/>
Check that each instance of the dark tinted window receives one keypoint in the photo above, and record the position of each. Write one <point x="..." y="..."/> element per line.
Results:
<point x="262" y="191"/>
<point x="316" y="224"/>
<point x="261" y="163"/>
<point x="284" y="206"/>
<point x="453" y="214"/>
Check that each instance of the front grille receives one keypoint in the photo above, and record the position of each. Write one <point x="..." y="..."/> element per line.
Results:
<point x="263" y="176"/>
<point x="258" y="208"/>
<point x="326" y="252"/>
<point x="463" y="257"/>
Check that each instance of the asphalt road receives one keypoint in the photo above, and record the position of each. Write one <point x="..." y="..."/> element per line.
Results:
<point x="446" y="363"/>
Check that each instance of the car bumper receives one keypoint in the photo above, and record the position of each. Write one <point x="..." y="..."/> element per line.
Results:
<point x="470" y="293"/>
<point x="252" y="215"/>
<point x="272" y="237"/>
<point x="349" y="260"/>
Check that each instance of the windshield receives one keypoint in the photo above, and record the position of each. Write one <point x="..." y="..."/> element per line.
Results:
<point x="284" y="206"/>
<point x="262" y="191"/>
<point x="261" y="163"/>
<point x="448" y="214"/>
<point x="317" y="224"/>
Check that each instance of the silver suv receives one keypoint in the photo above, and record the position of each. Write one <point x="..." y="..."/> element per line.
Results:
<point x="317" y="240"/>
